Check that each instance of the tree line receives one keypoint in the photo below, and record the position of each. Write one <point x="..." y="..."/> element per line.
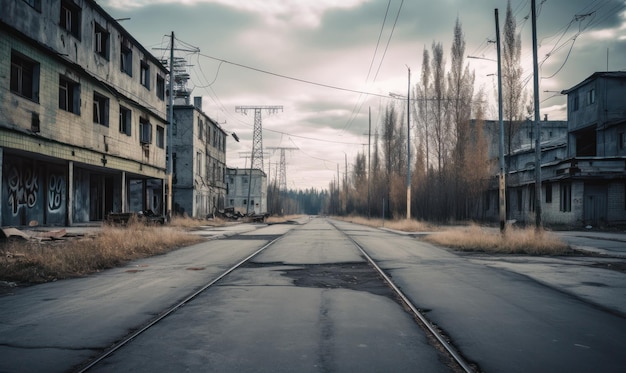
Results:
<point x="449" y="164"/>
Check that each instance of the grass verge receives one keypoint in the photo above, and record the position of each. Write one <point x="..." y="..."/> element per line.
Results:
<point x="478" y="239"/>
<point x="399" y="225"/>
<point x="514" y="241"/>
<point x="36" y="262"/>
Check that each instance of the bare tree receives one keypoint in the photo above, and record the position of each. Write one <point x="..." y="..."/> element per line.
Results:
<point x="460" y="92"/>
<point x="512" y="85"/>
<point x="438" y="105"/>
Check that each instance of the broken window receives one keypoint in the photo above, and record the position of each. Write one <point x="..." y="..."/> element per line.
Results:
<point x="100" y="109"/>
<point x="101" y="41"/>
<point x="70" y="17"/>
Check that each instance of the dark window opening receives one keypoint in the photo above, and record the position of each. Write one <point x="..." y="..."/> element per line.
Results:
<point x="69" y="95"/>
<point x="548" y="193"/>
<point x="586" y="143"/>
<point x="100" y="109"/>
<point x="70" y="17"/>
<point x="24" y="76"/>
<point x="34" y="122"/>
<point x="101" y="41"/>
<point x="125" y="120"/>
<point x="144" y="74"/>
<point x="145" y="131"/>
<point x="126" y="60"/>
<point x="160" y="87"/>
<point x="566" y="197"/>
<point x="160" y="137"/>
<point x="591" y="96"/>
<point x="519" y="200"/>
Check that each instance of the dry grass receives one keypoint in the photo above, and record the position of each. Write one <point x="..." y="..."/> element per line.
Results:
<point x="281" y="219"/>
<point x="187" y="222"/>
<point x="37" y="262"/>
<point x="515" y="241"/>
<point x="399" y="225"/>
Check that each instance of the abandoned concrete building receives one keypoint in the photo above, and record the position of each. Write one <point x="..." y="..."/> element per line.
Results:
<point x="199" y="160"/>
<point x="583" y="172"/>
<point x="82" y="116"/>
<point x="247" y="190"/>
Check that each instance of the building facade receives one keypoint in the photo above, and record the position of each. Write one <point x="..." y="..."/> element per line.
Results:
<point x="199" y="162"/>
<point x="247" y="190"/>
<point x="82" y="116"/>
<point x="583" y="172"/>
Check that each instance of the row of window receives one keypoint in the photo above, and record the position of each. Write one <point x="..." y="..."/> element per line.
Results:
<point x="70" y="20"/>
<point x="216" y="172"/>
<point x="204" y="133"/>
<point x="24" y="81"/>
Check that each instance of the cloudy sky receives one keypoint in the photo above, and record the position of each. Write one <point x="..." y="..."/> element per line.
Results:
<point x="327" y="62"/>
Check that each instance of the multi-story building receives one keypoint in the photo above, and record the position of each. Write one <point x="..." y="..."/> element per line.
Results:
<point x="82" y="115"/>
<point x="247" y="190"/>
<point x="583" y="172"/>
<point x="199" y="161"/>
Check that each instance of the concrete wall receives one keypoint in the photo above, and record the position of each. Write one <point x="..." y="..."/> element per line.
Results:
<point x="243" y="183"/>
<point x="199" y="145"/>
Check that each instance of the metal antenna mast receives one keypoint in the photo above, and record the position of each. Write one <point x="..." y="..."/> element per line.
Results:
<point x="257" y="138"/>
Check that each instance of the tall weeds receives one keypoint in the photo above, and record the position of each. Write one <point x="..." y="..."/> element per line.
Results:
<point x="50" y="260"/>
<point x="514" y="241"/>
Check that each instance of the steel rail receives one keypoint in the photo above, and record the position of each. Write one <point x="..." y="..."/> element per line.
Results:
<point x="171" y="310"/>
<point x="414" y="311"/>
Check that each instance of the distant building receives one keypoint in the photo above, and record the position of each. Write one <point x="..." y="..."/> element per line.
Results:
<point x="247" y="190"/>
<point x="82" y="116"/>
<point x="199" y="161"/>
<point x="584" y="171"/>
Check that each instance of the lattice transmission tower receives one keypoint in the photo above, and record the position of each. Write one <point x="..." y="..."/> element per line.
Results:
<point x="282" y="168"/>
<point x="256" y="161"/>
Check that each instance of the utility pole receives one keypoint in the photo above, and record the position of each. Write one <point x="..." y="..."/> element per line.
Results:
<point x="408" y="148"/>
<point x="502" y="176"/>
<point x="170" y="137"/>
<point x="256" y="159"/>
<point x="537" y="122"/>
<point x="369" y="160"/>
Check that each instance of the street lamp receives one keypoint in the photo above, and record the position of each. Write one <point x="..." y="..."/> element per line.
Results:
<point x="408" y="144"/>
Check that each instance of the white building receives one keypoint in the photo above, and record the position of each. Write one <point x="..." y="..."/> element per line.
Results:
<point x="247" y="190"/>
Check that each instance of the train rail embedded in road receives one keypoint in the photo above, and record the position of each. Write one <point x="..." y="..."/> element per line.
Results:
<point x="456" y="356"/>
<point x="170" y="310"/>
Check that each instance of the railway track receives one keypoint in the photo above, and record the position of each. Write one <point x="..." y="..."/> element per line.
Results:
<point x="435" y="337"/>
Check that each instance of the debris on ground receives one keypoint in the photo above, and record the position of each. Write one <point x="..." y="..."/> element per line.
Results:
<point x="146" y="216"/>
<point x="10" y="232"/>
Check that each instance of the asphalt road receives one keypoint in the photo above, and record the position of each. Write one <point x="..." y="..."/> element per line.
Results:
<point x="308" y="304"/>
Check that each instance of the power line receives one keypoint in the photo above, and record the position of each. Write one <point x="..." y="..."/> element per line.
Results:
<point x="293" y="78"/>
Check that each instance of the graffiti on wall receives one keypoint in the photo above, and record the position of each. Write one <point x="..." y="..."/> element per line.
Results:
<point x="56" y="190"/>
<point x="23" y="185"/>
